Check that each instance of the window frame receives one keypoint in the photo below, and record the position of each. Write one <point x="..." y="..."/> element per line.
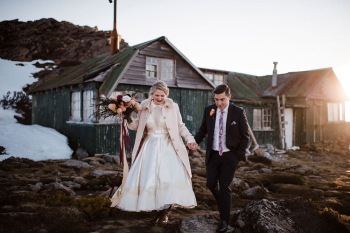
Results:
<point x="160" y="69"/>
<point x="216" y="78"/>
<point x="334" y="112"/>
<point x="88" y="106"/>
<point x="262" y="119"/>
<point x="82" y="106"/>
<point x="151" y="68"/>
<point x="75" y="106"/>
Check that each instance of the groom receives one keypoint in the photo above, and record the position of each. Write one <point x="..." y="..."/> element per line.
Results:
<point x="227" y="128"/>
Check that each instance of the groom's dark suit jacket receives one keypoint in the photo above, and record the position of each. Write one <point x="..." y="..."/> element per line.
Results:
<point x="237" y="136"/>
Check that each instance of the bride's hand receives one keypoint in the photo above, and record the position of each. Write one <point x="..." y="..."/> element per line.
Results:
<point x="192" y="146"/>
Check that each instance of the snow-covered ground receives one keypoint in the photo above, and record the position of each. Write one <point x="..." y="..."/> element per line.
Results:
<point x="26" y="141"/>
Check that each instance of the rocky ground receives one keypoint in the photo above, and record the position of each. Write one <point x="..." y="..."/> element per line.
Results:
<point x="299" y="191"/>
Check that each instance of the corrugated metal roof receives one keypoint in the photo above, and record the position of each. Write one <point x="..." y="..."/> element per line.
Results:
<point x="304" y="84"/>
<point x="123" y="59"/>
<point x="90" y="70"/>
<point x="297" y="86"/>
<point x="106" y="69"/>
<point x="71" y="76"/>
<point x="243" y="86"/>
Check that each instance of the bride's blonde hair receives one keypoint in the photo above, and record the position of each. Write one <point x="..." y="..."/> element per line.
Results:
<point x="159" y="85"/>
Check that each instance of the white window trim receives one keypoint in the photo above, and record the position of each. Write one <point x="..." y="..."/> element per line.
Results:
<point x="217" y="79"/>
<point x="88" y="106"/>
<point x="161" y="68"/>
<point x="261" y="118"/>
<point x="152" y="68"/>
<point x="75" y="106"/>
<point x="82" y="107"/>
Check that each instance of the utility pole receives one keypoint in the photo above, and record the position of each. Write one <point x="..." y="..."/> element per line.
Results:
<point x="114" y="36"/>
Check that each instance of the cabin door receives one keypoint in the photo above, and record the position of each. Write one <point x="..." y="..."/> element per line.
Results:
<point x="288" y="117"/>
<point x="317" y="122"/>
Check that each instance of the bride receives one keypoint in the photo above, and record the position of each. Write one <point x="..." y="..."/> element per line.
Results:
<point x="160" y="175"/>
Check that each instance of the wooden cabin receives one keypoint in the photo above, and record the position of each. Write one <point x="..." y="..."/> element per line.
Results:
<point x="67" y="102"/>
<point x="311" y="106"/>
<point x="314" y="105"/>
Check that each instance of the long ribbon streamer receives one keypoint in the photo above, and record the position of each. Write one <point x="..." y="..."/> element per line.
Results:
<point x="123" y="135"/>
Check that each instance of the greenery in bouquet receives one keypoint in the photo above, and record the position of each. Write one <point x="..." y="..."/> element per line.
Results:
<point x="120" y="107"/>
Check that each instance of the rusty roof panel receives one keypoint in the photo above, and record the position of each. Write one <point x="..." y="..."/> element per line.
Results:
<point x="303" y="84"/>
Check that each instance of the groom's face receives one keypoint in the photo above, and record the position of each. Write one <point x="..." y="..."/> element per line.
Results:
<point x="221" y="100"/>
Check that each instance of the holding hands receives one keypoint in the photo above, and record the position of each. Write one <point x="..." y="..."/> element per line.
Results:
<point x="192" y="146"/>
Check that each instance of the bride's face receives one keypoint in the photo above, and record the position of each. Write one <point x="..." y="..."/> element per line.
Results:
<point x="159" y="97"/>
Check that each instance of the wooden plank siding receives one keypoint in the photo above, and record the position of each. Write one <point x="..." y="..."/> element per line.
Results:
<point x="185" y="75"/>
<point x="51" y="108"/>
<point x="192" y="104"/>
<point x="263" y="136"/>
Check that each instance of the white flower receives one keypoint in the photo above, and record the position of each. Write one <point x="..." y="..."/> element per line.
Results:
<point x="126" y="98"/>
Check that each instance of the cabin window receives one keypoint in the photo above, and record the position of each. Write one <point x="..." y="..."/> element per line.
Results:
<point x="217" y="79"/>
<point x="262" y="119"/>
<point x="88" y="106"/>
<point x="160" y="68"/>
<point x="167" y="70"/>
<point x="151" y="67"/>
<point x="82" y="106"/>
<point x="335" y="112"/>
<point x="75" y="109"/>
<point x="210" y="76"/>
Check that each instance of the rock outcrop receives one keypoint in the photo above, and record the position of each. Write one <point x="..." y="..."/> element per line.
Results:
<point x="63" y="43"/>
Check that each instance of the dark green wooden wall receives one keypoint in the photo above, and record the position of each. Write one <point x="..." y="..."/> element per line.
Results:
<point x="52" y="109"/>
<point x="263" y="136"/>
<point x="191" y="103"/>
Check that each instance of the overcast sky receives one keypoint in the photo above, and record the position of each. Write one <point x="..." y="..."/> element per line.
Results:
<point x="234" y="35"/>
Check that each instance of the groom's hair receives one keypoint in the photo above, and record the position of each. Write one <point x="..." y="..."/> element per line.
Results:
<point x="223" y="88"/>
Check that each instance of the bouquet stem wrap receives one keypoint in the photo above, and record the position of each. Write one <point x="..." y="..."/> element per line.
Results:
<point x="124" y="142"/>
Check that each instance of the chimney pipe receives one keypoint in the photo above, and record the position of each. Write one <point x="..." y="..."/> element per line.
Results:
<point x="274" y="75"/>
<point x="114" y="36"/>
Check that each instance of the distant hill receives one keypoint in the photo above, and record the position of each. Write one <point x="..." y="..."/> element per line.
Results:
<point x="47" y="39"/>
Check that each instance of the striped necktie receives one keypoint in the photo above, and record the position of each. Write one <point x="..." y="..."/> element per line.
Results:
<point x="221" y="131"/>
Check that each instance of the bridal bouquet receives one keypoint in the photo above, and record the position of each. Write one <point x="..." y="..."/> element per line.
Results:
<point x="121" y="107"/>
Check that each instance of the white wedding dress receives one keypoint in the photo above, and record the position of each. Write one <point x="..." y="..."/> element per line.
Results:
<point x="157" y="178"/>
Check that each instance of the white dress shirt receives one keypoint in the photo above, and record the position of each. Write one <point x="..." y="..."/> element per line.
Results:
<point x="216" y="130"/>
